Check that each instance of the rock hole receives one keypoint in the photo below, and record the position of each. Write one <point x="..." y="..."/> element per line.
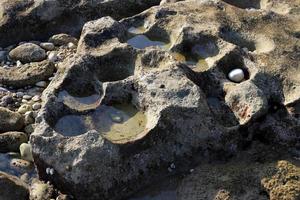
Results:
<point x="118" y="123"/>
<point x="233" y="61"/>
<point x="194" y="51"/>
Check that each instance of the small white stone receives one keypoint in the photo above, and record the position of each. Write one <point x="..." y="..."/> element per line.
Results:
<point x="52" y="57"/>
<point x="42" y="84"/>
<point x="26" y="152"/>
<point x="236" y="75"/>
<point x="47" y="170"/>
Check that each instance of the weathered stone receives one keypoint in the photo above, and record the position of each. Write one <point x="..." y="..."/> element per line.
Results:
<point x="10" y="141"/>
<point x="26" y="20"/>
<point x="62" y="39"/>
<point x="10" y="121"/>
<point x="28" y="74"/>
<point x="28" y="52"/>
<point x="12" y="188"/>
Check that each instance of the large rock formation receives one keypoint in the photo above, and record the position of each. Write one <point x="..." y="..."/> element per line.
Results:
<point x="38" y="19"/>
<point x="151" y="90"/>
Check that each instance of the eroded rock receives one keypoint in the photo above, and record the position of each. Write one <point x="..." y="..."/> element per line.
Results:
<point x="10" y="121"/>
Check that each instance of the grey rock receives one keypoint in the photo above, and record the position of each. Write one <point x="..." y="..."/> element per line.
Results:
<point x="10" y="141"/>
<point x="10" y="121"/>
<point x="28" y="52"/>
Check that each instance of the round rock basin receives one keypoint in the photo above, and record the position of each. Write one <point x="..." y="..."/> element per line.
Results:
<point x="120" y="123"/>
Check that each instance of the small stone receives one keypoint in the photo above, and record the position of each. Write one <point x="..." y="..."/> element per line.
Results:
<point x="47" y="46"/>
<point x="3" y="55"/>
<point x="7" y="99"/>
<point x="10" y="141"/>
<point x="27" y="53"/>
<point x="71" y="45"/>
<point x="24" y="108"/>
<point x="29" y="119"/>
<point x="52" y="57"/>
<point x="27" y="97"/>
<point x="3" y="90"/>
<point x="236" y="75"/>
<point x="20" y="94"/>
<point x="62" y="39"/>
<point x="26" y="152"/>
<point x="10" y="121"/>
<point x="36" y="106"/>
<point x="41" y="84"/>
<point x="36" y="98"/>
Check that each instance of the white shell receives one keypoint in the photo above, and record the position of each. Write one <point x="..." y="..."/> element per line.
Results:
<point x="47" y="170"/>
<point x="236" y="75"/>
<point x="51" y="172"/>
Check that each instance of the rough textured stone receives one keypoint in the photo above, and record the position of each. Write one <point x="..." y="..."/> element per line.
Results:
<point x="40" y="19"/>
<point x="11" y="141"/>
<point x="183" y="88"/>
<point x="10" y="121"/>
<point x="28" y="74"/>
<point x="27" y="53"/>
<point x="12" y="188"/>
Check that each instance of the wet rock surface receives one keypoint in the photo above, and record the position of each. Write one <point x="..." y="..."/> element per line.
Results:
<point x="186" y="89"/>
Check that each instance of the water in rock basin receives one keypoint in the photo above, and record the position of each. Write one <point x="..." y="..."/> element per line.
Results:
<point x="142" y="41"/>
<point x="79" y="103"/>
<point x="119" y="123"/>
<point x="12" y="164"/>
<point x="197" y="66"/>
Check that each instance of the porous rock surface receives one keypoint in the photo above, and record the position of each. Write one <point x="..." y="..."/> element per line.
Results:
<point x="24" y="20"/>
<point x="187" y="110"/>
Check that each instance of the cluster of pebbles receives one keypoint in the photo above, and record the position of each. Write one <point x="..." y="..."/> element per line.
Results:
<point x="19" y="108"/>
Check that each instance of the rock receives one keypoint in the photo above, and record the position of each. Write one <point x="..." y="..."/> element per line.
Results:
<point x="20" y="94"/>
<point x="26" y="152"/>
<point x="71" y="45"/>
<point x="45" y="18"/>
<point x="8" y="99"/>
<point x="285" y="183"/>
<point x="11" y="188"/>
<point x="41" y="191"/>
<point x="47" y="46"/>
<point x="27" y="75"/>
<point x="41" y="84"/>
<point x="236" y="75"/>
<point x="36" y="98"/>
<point x="62" y="39"/>
<point x="29" y="119"/>
<point x="24" y="108"/>
<point x="27" y="97"/>
<point x="52" y="57"/>
<point x="10" y="121"/>
<point x="29" y="129"/>
<point x="36" y="106"/>
<point x="28" y="52"/>
<point x="247" y="102"/>
<point x="10" y="141"/>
